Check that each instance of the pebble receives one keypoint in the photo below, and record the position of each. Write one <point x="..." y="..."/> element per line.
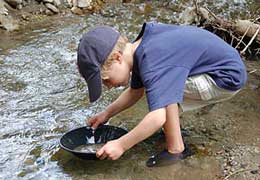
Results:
<point x="233" y="163"/>
<point x="254" y="171"/>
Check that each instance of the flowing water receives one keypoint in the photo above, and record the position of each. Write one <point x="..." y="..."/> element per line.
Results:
<point x="42" y="96"/>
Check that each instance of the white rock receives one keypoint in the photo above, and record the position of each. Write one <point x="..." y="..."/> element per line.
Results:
<point x="84" y="3"/>
<point x="52" y="7"/>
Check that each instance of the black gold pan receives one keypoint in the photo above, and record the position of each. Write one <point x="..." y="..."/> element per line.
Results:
<point x="87" y="136"/>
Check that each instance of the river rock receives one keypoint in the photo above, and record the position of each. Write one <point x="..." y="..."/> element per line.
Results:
<point x="84" y="3"/>
<point x="52" y="8"/>
<point x="76" y="10"/>
<point x="14" y="3"/>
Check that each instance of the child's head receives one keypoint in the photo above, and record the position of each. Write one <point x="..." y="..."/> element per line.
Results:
<point x="100" y="59"/>
<point x="114" y="72"/>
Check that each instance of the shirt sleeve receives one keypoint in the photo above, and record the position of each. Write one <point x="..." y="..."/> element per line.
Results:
<point x="165" y="86"/>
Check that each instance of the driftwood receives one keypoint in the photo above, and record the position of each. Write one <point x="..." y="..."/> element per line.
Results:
<point x="244" y="35"/>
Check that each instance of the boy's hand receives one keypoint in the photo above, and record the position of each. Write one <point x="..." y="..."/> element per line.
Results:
<point x="111" y="150"/>
<point x="100" y="118"/>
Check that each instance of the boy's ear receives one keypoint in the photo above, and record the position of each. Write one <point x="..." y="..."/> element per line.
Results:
<point x="118" y="56"/>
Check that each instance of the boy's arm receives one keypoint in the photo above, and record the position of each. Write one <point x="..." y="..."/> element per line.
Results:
<point x="126" y="99"/>
<point x="150" y="124"/>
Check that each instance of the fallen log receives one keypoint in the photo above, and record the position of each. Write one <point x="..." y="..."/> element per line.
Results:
<point x="243" y="35"/>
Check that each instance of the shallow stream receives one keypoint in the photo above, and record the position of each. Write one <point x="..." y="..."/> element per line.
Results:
<point x="42" y="96"/>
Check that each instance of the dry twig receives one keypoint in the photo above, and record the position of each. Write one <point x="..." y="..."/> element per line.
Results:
<point x="237" y="172"/>
<point x="250" y="42"/>
<point x="243" y="37"/>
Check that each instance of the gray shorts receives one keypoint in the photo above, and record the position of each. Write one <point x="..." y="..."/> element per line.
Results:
<point x="201" y="90"/>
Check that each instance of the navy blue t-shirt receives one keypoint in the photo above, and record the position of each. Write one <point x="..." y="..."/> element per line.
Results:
<point x="169" y="54"/>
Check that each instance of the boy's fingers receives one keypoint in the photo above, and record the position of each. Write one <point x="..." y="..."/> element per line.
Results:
<point x="95" y="125"/>
<point x="91" y="121"/>
<point x="100" y="152"/>
<point x="88" y="123"/>
<point x="104" y="156"/>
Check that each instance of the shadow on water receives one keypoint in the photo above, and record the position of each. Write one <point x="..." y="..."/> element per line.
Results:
<point x="42" y="96"/>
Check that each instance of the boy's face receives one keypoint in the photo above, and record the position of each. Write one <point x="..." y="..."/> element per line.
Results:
<point x="117" y="74"/>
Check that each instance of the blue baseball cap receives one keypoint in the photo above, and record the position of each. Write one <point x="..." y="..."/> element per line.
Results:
<point x="94" y="48"/>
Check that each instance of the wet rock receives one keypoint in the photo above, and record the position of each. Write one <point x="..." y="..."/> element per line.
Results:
<point x="40" y="161"/>
<point x="14" y="3"/>
<point x="52" y="8"/>
<point x="84" y="3"/>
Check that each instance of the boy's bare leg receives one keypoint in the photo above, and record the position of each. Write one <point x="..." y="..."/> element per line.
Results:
<point x="172" y="130"/>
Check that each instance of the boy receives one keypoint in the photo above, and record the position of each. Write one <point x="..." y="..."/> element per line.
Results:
<point x="176" y="66"/>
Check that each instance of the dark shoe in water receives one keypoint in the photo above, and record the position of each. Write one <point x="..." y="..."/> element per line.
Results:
<point x="166" y="158"/>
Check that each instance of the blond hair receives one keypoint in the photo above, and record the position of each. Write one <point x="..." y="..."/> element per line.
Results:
<point x="119" y="46"/>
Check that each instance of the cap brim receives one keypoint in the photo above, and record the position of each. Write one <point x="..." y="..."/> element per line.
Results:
<point x="94" y="87"/>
